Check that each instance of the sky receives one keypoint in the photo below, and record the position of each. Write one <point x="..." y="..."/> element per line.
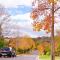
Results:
<point x="20" y="23"/>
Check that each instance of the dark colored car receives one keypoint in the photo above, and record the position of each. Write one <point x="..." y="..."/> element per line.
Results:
<point x="7" y="52"/>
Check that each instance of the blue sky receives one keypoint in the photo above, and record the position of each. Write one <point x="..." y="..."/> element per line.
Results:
<point x="20" y="23"/>
<point x="21" y="9"/>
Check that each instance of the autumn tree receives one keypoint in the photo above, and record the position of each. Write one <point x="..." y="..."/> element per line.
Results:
<point x="22" y="44"/>
<point x="47" y="9"/>
<point x="44" y="48"/>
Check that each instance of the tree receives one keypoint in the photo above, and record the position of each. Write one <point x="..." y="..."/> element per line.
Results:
<point x="4" y="17"/>
<point x="22" y="44"/>
<point x="46" y="8"/>
<point x="2" y="44"/>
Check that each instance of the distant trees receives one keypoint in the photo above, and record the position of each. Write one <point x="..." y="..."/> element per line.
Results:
<point x="23" y="44"/>
<point x="26" y="45"/>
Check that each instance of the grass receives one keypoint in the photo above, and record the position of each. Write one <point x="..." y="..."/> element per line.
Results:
<point x="47" y="57"/>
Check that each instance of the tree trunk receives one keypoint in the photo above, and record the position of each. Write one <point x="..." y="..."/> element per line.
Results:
<point x="52" y="34"/>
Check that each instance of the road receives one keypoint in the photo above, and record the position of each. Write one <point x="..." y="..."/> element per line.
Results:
<point x="22" y="57"/>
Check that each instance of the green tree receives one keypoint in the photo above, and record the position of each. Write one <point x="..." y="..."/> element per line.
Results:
<point x="2" y="44"/>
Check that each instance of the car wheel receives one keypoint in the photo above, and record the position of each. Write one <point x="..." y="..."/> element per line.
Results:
<point x="9" y="55"/>
<point x="0" y="55"/>
<point x="13" y="54"/>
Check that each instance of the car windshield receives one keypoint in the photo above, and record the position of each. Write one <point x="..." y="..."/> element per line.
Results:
<point x="6" y="49"/>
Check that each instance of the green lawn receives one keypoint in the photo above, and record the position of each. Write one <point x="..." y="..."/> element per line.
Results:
<point x="46" y="57"/>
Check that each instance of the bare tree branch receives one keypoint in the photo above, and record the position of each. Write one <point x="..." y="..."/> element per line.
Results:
<point x="5" y="17"/>
<point x="57" y="9"/>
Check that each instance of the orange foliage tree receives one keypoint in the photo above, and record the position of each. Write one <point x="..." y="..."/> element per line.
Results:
<point x="46" y="8"/>
<point x="41" y="49"/>
<point x="12" y="42"/>
<point x="44" y="48"/>
<point x="23" y="43"/>
<point x="43" y="8"/>
<point x="26" y="43"/>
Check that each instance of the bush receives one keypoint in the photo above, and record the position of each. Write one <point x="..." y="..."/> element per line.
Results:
<point x="57" y="53"/>
<point x="25" y="44"/>
<point x="21" y="51"/>
<point x="2" y="44"/>
<point x="48" y="53"/>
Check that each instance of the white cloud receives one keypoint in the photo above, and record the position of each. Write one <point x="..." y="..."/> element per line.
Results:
<point x="23" y="20"/>
<point x="13" y="3"/>
<point x="57" y="26"/>
<point x="22" y="16"/>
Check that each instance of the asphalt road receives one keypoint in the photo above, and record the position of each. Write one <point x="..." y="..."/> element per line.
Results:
<point x="23" y="57"/>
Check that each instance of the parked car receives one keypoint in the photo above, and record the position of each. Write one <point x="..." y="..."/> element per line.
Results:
<point x="6" y="51"/>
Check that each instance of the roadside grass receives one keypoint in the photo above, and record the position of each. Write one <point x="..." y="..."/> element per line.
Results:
<point x="47" y="57"/>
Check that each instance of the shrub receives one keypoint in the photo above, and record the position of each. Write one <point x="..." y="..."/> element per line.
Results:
<point x="23" y="51"/>
<point x="2" y="43"/>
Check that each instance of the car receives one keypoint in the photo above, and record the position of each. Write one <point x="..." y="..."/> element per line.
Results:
<point x="6" y="51"/>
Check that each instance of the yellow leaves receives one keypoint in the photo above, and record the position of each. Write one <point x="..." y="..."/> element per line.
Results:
<point x="41" y="48"/>
<point x="22" y="43"/>
<point x="47" y="24"/>
<point x="12" y="43"/>
<point x="48" y="30"/>
<point x="36" y="29"/>
<point x="26" y="43"/>
<point x="47" y="27"/>
<point x="37" y="26"/>
<point x="51" y="1"/>
<point x="34" y="14"/>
